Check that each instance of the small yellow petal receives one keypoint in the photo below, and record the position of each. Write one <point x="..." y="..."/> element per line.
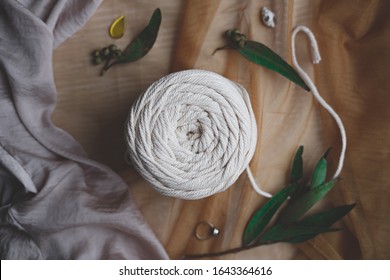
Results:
<point x="117" y="28"/>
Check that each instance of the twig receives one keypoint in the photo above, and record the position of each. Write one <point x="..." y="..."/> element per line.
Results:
<point x="221" y="48"/>
<point x="106" y="67"/>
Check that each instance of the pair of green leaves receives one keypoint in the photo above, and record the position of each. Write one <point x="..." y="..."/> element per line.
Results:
<point x="297" y="199"/>
<point x="262" y="55"/>
<point x="140" y="45"/>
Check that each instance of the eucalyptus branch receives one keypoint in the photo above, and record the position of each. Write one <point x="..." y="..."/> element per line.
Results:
<point x="291" y="225"/>
<point x="135" y="50"/>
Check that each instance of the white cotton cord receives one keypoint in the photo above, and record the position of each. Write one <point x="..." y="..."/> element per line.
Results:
<point x="255" y="186"/>
<point x="316" y="59"/>
<point x="191" y="134"/>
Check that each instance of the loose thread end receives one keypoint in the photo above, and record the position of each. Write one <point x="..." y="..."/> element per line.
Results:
<point x="316" y="56"/>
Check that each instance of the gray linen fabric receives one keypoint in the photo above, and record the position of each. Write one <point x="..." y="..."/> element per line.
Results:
<point x="75" y="208"/>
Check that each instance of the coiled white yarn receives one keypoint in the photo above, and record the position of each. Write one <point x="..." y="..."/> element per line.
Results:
<point x="191" y="134"/>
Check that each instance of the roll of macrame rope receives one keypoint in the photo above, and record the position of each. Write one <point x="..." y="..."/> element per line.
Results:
<point x="191" y="134"/>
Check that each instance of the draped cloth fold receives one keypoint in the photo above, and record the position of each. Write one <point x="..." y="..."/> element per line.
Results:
<point x="76" y="208"/>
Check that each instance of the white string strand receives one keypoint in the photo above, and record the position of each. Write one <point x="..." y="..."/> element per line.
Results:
<point x="316" y="59"/>
<point x="254" y="184"/>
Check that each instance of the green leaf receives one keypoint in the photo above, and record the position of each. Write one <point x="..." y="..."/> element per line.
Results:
<point x="142" y="43"/>
<point x="323" y="220"/>
<point x="302" y="204"/>
<point x="262" y="217"/>
<point x="319" y="174"/>
<point x="292" y="233"/>
<point x="297" y="168"/>
<point x="261" y="55"/>
<point x="264" y="56"/>
<point x="327" y="218"/>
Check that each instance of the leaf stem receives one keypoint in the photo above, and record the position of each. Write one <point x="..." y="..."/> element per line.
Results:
<point x="107" y="66"/>
<point x="221" y="48"/>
